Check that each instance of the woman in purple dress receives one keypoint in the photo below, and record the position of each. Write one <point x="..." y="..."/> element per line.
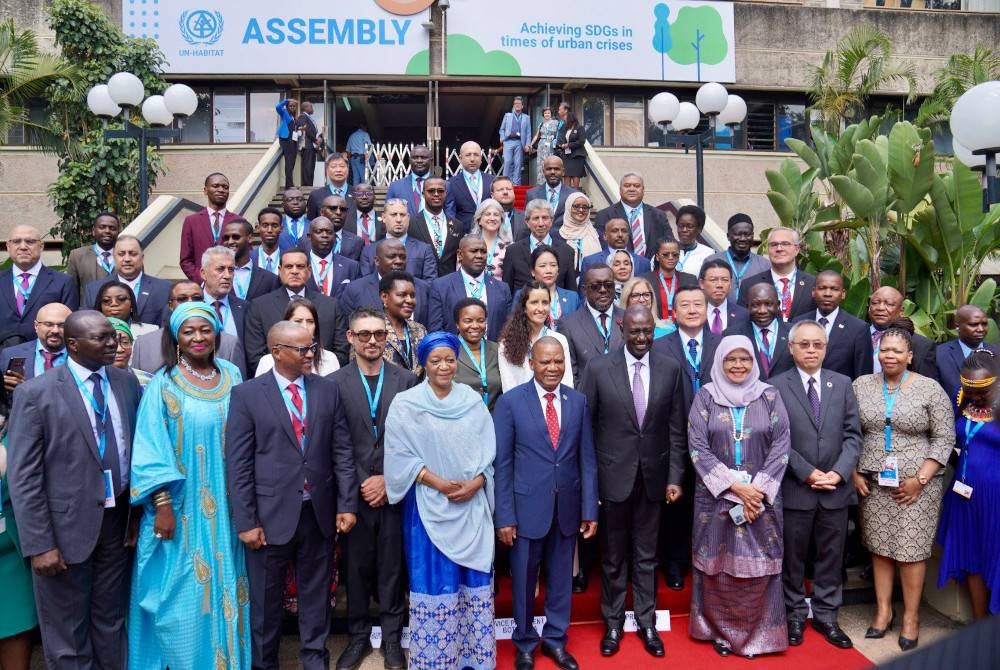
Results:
<point x="972" y="504"/>
<point x="739" y="442"/>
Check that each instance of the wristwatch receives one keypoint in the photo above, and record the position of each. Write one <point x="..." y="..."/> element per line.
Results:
<point x="923" y="480"/>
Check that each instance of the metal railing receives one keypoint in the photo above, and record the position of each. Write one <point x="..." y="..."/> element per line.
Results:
<point x="392" y="162"/>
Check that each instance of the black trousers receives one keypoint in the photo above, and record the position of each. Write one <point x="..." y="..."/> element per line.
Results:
<point x="376" y="566"/>
<point x="676" y="526"/>
<point x="290" y="150"/>
<point x="308" y="168"/>
<point x="826" y="529"/>
<point x="629" y="528"/>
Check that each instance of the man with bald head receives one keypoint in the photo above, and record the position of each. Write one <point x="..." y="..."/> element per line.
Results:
<point x="390" y="255"/>
<point x="884" y="307"/>
<point x="347" y="244"/>
<point x="469" y="187"/>
<point x="331" y="270"/>
<point x="553" y="189"/>
<point x="28" y="285"/>
<point x="38" y="356"/>
<point x="972" y="325"/>
<point x="471" y="281"/>
<point x="849" y="351"/>
<point x="420" y="259"/>
<point x="151" y="293"/>
<point x="433" y="226"/>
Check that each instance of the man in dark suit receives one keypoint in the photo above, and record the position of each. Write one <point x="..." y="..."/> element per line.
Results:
<point x="390" y="255"/>
<point x="362" y="220"/>
<point x="201" y="230"/>
<point x="592" y="331"/>
<point x="666" y="280"/>
<point x="850" y="346"/>
<point x="311" y="137"/>
<point x="347" y="243"/>
<point x="716" y="280"/>
<point x="616" y="236"/>
<point x="95" y="261"/>
<point x="794" y="287"/>
<point x="374" y="556"/>
<point x="884" y="307"/>
<point x="972" y="324"/>
<point x="292" y="486"/>
<point x="502" y="190"/>
<point x="69" y="448"/>
<point x="269" y="309"/>
<point x="517" y="259"/>
<point x="817" y="489"/>
<point x="468" y="187"/>
<point x="295" y="221"/>
<point x="151" y="293"/>
<point x="267" y="256"/>
<point x="28" y="285"/>
<point x="410" y="189"/>
<point x="421" y="261"/>
<point x="435" y="228"/>
<point x="337" y="170"/>
<point x="40" y="355"/>
<point x="635" y="398"/>
<point x="740" y="258"/>
<point x="553" y="190"/>
<point x="250" y="280"/>
<point x="546" y="494"/>
<point x="217" y="270"/>
<point x="766" y="330"/>
<point x="331" y="271"/>
<point x="647" y="224"/>
<point x="471" y="281"/>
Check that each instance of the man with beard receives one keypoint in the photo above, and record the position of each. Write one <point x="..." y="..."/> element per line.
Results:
<point x="410" y="188"/>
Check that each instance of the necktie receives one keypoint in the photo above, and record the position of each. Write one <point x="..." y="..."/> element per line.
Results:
<point x="552" y="197"/>
<point x="813" y="399"/>
<point x="325" y="277"/>
<point x="215" y="226"/>
<point x="638" y="239"/>
<point x="293" y="227"/>
<point x="218" y="312"/>
<point x="22" y="296"/>
<point x="49" y="358"/>
<point x="876" y="339"/>
<point x="786" y="299"/>
<point x="269" y="264"/>
<point x="823" y="321"/>
<point x="604" y="324"/>
<point x="416" y="194"/>
<point x="106" y="263"/>
<point x="765" y="362"/>
<point x="111" y="459"/>
<point x="716" y="322"/>
<point x="297" y="425"/>
<point x="693" y="351"/>
<point x="365" y="237"/>
<point x="638" y="394"/>
<point x="552" y="419"/>
<point x="438" y="238"/>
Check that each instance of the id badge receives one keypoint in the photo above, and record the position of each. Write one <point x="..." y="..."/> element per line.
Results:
<point x="738" y="515"/>
<point x="295" y="135"/>
<point x="962" y="489"/>
<point x="109" y="490"/>
<point x="889" y="476"/>
<point x="742" y="476"/>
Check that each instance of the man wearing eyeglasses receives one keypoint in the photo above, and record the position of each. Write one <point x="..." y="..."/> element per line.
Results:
<point x="345" y="243"/>
<point x="295" y="222"/>
<point x="28" y="285"/>
<point x="553" y="189"/>
<point x="374" y="549"/>
<point x="850" y="347"/>
<point x="794" y="287"/>
<point x="40" y="355"/>
<point x="434" y="227"/>
<point x="826" y="441"/>
<point x="592" y="331"/>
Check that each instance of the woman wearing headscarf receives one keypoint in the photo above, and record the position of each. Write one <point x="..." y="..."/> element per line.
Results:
<point x="622" y="268"/>
<point x="190" y="595"/>
<point x="739" y="442"/>
<point x="578" y="231"/>
<point x="439" y="451"/>
<point x="123" y="356"/>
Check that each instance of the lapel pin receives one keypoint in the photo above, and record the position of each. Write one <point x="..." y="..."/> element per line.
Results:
<point x="564" y="397"/>
<point x="802" y="282"/>
<point x="840" y="325"/>
<point x="829" y="385"/>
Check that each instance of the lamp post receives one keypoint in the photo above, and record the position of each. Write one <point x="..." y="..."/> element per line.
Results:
<point x="975" y="128"/>
<point x="712" y="100"/>
<point x="125" y="91"/>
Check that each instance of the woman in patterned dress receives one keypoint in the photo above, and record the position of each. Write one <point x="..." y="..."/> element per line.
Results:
<point x="399" y="298"/>
<point x="545" y="139"/>
<point x="899" y="515"/>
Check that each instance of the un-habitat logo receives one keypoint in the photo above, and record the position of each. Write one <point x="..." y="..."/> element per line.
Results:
<point x="201" y="27"/>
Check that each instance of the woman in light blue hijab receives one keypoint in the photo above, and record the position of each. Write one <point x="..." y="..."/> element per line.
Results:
<point x="439" y="451"/>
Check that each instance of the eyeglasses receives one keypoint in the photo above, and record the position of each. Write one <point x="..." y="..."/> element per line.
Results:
<point x="367" y="335"/>
<point x="601" y="286"/>
<point x="780" y="245"/>
<point x="50" y="324"/>
<point x="645" y="295"/>
<point x="302" y="351"/>
<point x="805" y="345"/>
<point x="434" y="190"/>
<point x="335" y="208"/>
<point x="21" y="241"/>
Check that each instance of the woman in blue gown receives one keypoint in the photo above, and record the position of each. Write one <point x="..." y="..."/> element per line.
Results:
<point x="968" y="527"/>
<point x="189" y="607"/>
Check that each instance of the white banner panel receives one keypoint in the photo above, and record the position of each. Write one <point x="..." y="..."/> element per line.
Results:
<point x="672" y="40"/>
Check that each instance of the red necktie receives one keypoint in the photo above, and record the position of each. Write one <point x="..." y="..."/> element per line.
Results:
<point x="297" y="425"/>
<point x="552" y="419"/>
<point x="417" y="193"/>
<point x="49" y="357"/>
<point x="364" y="229"/>
<point x="325" y="276"/>
<point x="786" y="299"/>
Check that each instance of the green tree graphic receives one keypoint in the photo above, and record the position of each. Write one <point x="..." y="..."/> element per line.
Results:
<point x="698" y="37"/>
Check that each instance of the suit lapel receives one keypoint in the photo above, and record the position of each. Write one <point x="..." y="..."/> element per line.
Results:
<point x="71" y="396"/>
<point x="7" y="289"/>
<point x="41" y="283"/>
<point x="800" y="394"/>
<point x="657" y="388"/>
<point x="276" y="400"/>
<point x="623" y="385"/>
<point x="535" y="411"/>
<point x="123" y="412"/>
<point x="802" y="293"/>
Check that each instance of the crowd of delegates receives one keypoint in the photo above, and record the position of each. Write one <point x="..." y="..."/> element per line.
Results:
<point x="404" y="391"/>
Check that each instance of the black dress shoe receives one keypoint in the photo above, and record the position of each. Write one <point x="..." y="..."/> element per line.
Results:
<point x="675" y="582"/>
<point x="392" y="656"/>
<point x="610" y="642"/>
<point x="580" y="582"/>
<point x="832" y="632"/>
<point x="561" y="657"/>
<point x="878" y="633"/>
<point x="721" y="648"/>
<point x="355" y="653"/>
<point x="651" y="640"/>
<point x="524" y="660"/>
<point x="795" y="631"/>
<point x="906" y="644"/>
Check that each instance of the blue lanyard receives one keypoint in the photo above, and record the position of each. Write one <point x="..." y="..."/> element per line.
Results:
<point x="110" y="265"/>
<point x="241" y="286"/>
<point x="579" y="253"/>
<point x="473" y="190"/>
<point x="738" y="414"/>
<point x="301" y="416"/>
<point x="695" y="364"/>
<point x="373" y="400"/>
<point x="681" y="262"/>
<point x="479" y="367"/>
<point x="970" y="433"/>
<point x="605" y="335"/>
<point x="289" y="221"/>
<point x="738" y="276"/>
<point x="439" y="242"/>
<point x="791" y="287"/>
<point x="99" y="412"/>
<point x="26" y="292"/>
<point x="890" y="402"/>
<point x="555" y="309"/>
<point x="769" y="352"/>
<point x="669" y="292"/>
<point x="476" y="292"/>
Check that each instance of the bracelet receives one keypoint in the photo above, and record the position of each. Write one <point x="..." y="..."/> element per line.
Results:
<point x="420" y="475"/>
<point x="162" y="498"/>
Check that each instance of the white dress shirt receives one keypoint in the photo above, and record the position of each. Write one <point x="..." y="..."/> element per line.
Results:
<point x="805" y="377"/>
<point x="468" y="280"/>
<point x="512" y="376"/>
<point x="557" y="401"/>
<point x="830" y="318"/>
<point x="83" y="374"/>
<point x="630" y="362"/>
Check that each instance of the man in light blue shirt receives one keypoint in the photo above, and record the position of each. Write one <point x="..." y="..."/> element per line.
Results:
<point x="515" y="133"/>
<point x="358" y="144"/>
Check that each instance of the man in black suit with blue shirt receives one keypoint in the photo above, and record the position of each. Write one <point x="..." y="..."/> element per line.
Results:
<point x="40" y="355"/>
<point x="849" y="351"/>
<point x="250" y="280"/>
<point x="972" y="325"/>
<point x="471" y="281"/>
<point x="390" y="255"/>
<point x="151" y="293"/>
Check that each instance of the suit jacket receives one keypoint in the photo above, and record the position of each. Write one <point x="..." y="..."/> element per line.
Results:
<point x="924" y="360"/>
<point x="147" y="352"/>
<point x="448" y="290"/>
<point x="734" y="313"/>
<point x="802" y="300"/>
<point x="402" y="188"/>
<point x="55" y="475"/>
<point x="518" y="228"/>
<point x="460" y="204"/>
<point x="448" y="260"/>
<point x="83" y="267"/>
<point x="535" y="479"/>
<point x="351" y="246"/>
<point x="755" y="265"/>
<point x="368" y="452"/>
<point x="517" y="264"/>
<point x="575" y="141"/>
<point x="320" y="194"/>
<point x="352" y="226"/>
<point x="25" y="350"/>
<point x="782" y="359"/>
<point x="363" y="292"/>
<point x="684" y="280"/>
<point x="261" y="281"/>
<point x="640" y="264"/>
<point x="266" y="466"/>
<point x="655" y="450"/>
<point x="948" y="357"/>
<point x="585" y="339"/>
<point x="151" y="301"/>
<point x="344" y="270"/>
<point x="671" y="345"/>
<point x="654" y="224"/>
<point x="196" y="237"/>
<point x="269" y="309"/>
<point x="541" y="191"/>
<point x="420" y="260"/>
<point x="849" y="350"/>
<point x="832" y="443"/>
<point x="50" y="286"/>
<point x="516" y="130"/>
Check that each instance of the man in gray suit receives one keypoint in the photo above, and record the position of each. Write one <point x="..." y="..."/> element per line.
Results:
<point x="69" y="447"/>
<point x="592" y="330"/>
<point x="826" y="440"/>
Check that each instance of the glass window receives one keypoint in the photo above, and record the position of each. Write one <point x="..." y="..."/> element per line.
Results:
<point x="196" y="129"/>
<point x="630" y="121"/>
<point x="792" y="122"/>
<point x="596" y="118"/>
<point x="263" y="118"/>
<point x="229" y="118"/>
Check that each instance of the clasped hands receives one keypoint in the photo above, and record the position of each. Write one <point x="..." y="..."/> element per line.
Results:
<point x="752" y="498"/>
<point x="823" y="481"/>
